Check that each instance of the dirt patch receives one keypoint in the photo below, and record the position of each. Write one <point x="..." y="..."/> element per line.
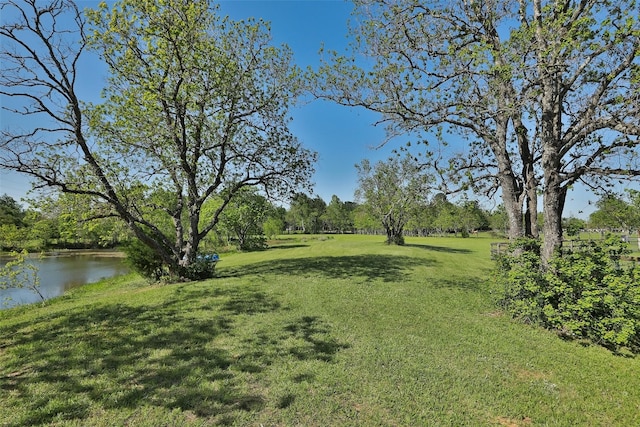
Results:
<point x="510" y="422"/>
<point x="528" y="375"/>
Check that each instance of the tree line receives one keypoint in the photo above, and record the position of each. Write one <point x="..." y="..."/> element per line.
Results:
<point x="64" y="222"/>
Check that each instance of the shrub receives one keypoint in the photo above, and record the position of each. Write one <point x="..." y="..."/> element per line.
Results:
<point x="144" y="260"/>
<point x="253" y="243"/>
<point x="202" y="268"/>
<point x="584" y="293"/>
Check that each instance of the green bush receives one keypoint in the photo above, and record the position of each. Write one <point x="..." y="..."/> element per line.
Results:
<point x="584" y="293"/>
<point x="253" y="243"/>
<point x="144" y="260"/>
<point x="202" y="268"/>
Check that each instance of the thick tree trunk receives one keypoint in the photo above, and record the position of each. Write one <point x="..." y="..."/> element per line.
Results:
<point x="511" y="190"/>
<point x="552" y="92"/>
<point x="554" y="194"/>
<point x="554" y="199"/>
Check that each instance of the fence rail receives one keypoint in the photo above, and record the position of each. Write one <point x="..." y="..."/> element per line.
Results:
<point x="499" y="248"/>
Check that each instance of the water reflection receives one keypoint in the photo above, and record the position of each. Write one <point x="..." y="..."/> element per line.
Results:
<point x="61" y="271"/>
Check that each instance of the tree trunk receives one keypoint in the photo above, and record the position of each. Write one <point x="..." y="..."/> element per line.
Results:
<point x="511" y="190"/>
<point x="549" y="69"/>
<point x="554" y="199"/>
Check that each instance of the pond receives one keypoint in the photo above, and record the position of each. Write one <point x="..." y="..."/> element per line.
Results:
<point x="61" y="271"/>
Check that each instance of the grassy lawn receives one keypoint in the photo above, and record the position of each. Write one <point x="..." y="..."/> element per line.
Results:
<point x="316" y="331"/>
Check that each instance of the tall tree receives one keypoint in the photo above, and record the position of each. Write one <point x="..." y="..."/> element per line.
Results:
<point x="391" y="191"/>
<point x="10" y="211"/>
<point x="306" y="213"/>
<point x="339" y="214"/>
<point x="585" y="74"/>
<point x="436" y="68"/>
<point x="196" y="106"/>
<point x="546" y="92"/>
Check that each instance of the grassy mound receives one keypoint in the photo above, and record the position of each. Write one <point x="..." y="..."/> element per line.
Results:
<point x="315" y="331"/>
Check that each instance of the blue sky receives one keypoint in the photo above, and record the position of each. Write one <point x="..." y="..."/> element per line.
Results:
<point x="341" y="135"/>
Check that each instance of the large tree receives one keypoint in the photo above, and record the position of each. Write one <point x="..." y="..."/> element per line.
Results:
<point x="339" y="215"/>
<point x="614" y="212"/>
<point x="306" y="213"/>
<point x="432" y="69"/>
<point x="195" y="107"/>
<point x="584" y="68"/>
<point x="391" y="191"/>
<point x="545" y="93"/>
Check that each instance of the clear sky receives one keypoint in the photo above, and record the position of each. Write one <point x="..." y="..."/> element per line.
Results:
<point x="342" y="136"/>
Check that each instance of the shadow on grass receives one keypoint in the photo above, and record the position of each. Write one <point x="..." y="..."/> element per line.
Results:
<point x="287" y="246"/>
<point x="385" y="267"/>
<point x="167" y="355"/>
<point x="465" y="283"/>
<point x="439" y="248"/>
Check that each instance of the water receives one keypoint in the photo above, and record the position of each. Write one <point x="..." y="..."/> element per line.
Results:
<point x="65" y="270"/>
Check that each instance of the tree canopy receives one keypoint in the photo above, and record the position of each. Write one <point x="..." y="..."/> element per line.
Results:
<point x="544" y="94"/>
<point x="195" y="107"/>
<point x="392" y="191"/>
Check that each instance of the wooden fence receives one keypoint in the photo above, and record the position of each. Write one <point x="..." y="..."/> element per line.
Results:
<point x="499" y="248"/>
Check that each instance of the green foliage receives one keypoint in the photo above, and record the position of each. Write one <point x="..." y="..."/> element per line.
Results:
<point x="10" y="211"/>
<point x="573" y="226"/>
<point x="20" y="273"/>
<point x="306" y="213"/>
<point x="144" y="260"/>
<point x="339" y="215"/>
<point x="209" y="96"/>
<point x="616" y="212"/>
<point x="11" y="237"/>
<point x="391" y="191"/>
<point x="272" y="227"/>
<point x="586" y="293"/>
<point x="242" y="220"/>
<point x="202" y="268"/>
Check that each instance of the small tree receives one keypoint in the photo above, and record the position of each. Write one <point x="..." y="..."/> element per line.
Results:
<point x="573" y="226"/>
<point x="390" y="191"/>
<point x="244" y="218"/>
<point x="20" y="274"/>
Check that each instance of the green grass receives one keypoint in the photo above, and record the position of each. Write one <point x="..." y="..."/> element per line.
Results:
<point x="316" y="331"/>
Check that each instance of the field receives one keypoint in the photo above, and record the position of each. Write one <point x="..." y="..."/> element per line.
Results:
<point x="316" y="331"/>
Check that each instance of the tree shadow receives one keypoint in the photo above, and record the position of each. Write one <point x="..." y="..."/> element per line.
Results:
<point x="464" y="283"/>
<point x="287" y="246"/>
<point x="165" y="355"/>
<point x="305" y="338"/>
<point x="316" y="340"/>
<point x="370" y="267"/>
<point x="439" y="248"/>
